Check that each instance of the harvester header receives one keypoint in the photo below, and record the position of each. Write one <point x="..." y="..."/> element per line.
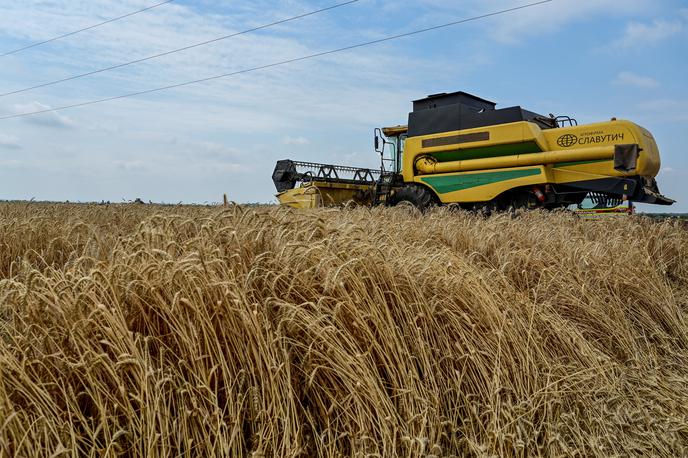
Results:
<point x="460" y="149"/>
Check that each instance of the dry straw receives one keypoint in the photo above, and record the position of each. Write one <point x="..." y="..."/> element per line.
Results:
<point x="181" y="331"/>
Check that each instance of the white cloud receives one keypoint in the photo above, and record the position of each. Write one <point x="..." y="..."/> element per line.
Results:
<point x="295" y="141"/>
<point x="11" y="164"/>
<point x="214" y="151"/>
<point x="9" y="141"/>
<point x="631" y="79"/>
<point x="131" y="166"/>
<point x="660" y="105"/>
<point x="111" y="128"/>
<point x="666" y="111"/>
<point x="639" y="35"/>
<point x="542" y="19"/>
<point x="48" y="119"/>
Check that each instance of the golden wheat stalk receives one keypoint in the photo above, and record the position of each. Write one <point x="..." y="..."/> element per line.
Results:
<point x="191" y="331"/>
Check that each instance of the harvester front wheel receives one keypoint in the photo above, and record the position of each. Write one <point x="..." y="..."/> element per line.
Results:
<point x="418" y="196"/>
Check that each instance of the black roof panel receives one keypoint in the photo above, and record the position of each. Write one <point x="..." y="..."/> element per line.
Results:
<point x="454" y="98"/>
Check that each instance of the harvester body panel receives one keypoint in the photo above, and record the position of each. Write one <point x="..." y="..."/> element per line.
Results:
<point x="479" y="164"/>
<point x="313" y="194"/>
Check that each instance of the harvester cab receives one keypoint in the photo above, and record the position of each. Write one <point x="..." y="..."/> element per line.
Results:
<point x="389" y="144"/>
<point x="461" y="149"/>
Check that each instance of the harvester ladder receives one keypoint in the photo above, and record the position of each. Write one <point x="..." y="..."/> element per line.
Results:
<point x="383" y="188"/>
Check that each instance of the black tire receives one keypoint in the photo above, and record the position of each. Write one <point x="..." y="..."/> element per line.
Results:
<point x="418" y="196"/>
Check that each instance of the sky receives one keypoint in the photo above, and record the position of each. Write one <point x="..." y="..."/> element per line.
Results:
<point x="591" y="59"/>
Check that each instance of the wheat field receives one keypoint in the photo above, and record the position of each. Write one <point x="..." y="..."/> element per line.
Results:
<point x="151" y="331"/>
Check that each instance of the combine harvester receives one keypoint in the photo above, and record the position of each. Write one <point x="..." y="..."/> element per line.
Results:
<point x="459" y="149"/>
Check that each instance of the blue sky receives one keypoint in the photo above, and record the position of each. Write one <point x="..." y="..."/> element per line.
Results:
<point x="592" y="59"/>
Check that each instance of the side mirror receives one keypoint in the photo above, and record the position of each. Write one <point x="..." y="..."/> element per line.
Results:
<point x="379" y="141"/>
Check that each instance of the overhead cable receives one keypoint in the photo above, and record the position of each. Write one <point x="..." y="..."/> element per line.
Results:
<point x="276" y="64"/>
<point x="173" y="51"/>
<point x="133" y="13"/>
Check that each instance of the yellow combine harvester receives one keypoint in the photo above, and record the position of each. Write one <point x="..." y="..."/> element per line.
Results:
<point x="460" y="149"/>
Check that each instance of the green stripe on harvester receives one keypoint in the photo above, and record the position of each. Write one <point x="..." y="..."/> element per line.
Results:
<point x="451" y="183"/>
<point x="567" y="164"/>
<point x="488" y="151"/>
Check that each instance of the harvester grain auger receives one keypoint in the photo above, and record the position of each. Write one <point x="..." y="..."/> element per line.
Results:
<point x="460" y="149"/>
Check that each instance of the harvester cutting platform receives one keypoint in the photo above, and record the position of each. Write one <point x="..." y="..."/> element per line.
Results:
<point x="459" y="149"/>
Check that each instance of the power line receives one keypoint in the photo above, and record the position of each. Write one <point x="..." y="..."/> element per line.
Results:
<point x="276" y="64"/>
<point x="155" y="56"/>
<point x="86" y="28"/>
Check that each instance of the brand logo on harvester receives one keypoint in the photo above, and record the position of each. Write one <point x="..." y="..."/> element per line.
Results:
<point x="589" y="138"/>
<point x="567" y="140"/>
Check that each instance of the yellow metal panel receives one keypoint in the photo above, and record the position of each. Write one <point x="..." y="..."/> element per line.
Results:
<point x="502" y="134"/>
<point x="326" y="194"/>
<point x="394" y="131"/>
<point x="615" y="132"/>
<point x="300" y="198"/>
<point x="585" y="171"/>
